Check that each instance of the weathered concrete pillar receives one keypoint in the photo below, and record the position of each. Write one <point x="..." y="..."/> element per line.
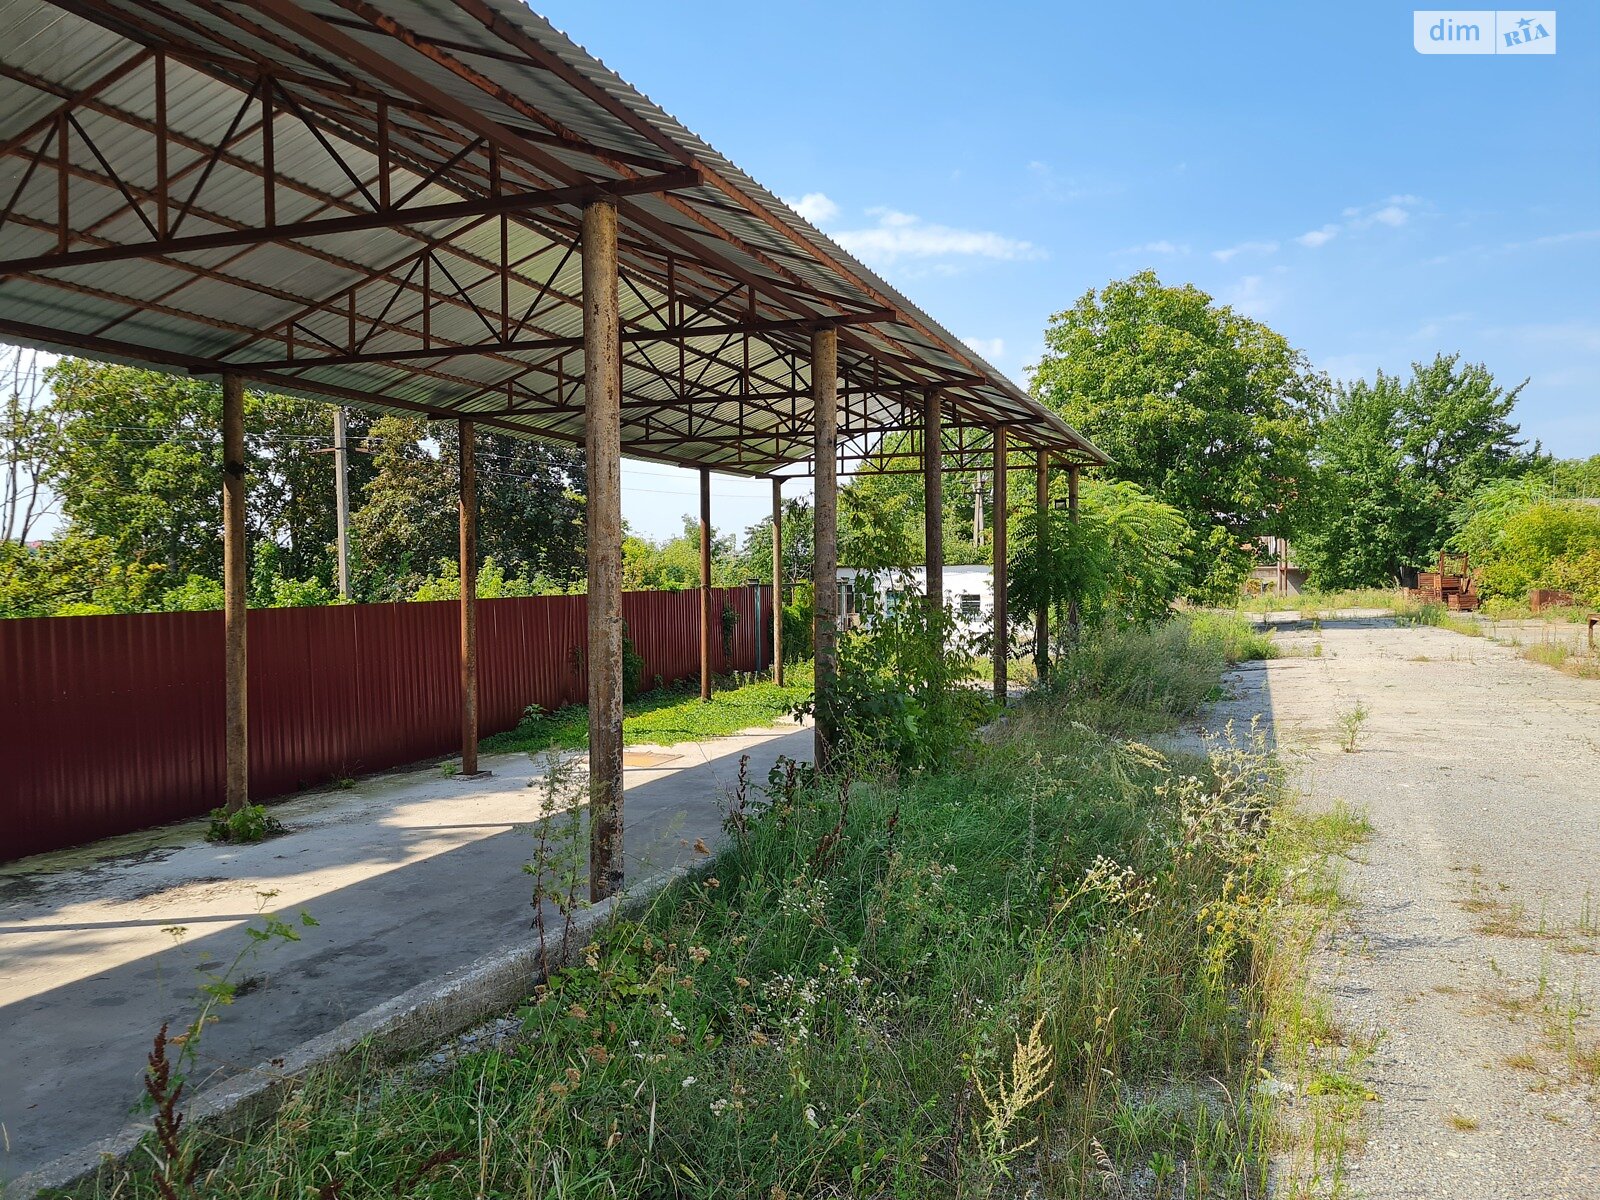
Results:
<point x="1001" y="640"/>
<point x="705" y="584"/>
<point x="777" y="582"/>
<point x="235" y="602"/>
<point x="933" y="499"/>
<point x="468" y="513"/>
<point x="825" y="576"/>
<point x="602" y="382"/>
<point x="1074" y="619"/>
<point x="1041" y="616"/>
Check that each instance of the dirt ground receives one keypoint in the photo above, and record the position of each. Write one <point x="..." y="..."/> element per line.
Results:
<point x="1472" y="948"/>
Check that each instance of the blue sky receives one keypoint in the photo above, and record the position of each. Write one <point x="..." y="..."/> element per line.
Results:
<point x="1301" y="162"/>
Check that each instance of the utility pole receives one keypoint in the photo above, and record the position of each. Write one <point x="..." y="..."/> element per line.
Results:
<point x="977" y="509"/>
<point x="341" y="485"/>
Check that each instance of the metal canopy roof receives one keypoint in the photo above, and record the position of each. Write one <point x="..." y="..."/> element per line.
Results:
<point x="378" y="202"/>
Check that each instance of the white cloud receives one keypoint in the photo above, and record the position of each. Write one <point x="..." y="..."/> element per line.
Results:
<point x="1318" y="237"/>
<point x="1251" y="296"/>
<point x="815" y="207"/>
<point x="990" y="348"/>
<point x="1394" y="212"/>
<point x="900" y="235"/>
<point x="1245" y="248"/>
<point x="1161" y="247"/>
<point x="1557" y="239"/>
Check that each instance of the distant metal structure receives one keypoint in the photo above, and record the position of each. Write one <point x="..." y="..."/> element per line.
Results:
<point x="1450" y="583"/>
<point x="448" y="208"/>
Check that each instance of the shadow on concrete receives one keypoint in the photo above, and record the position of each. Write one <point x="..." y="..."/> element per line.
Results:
<point x="71" y="1063"/>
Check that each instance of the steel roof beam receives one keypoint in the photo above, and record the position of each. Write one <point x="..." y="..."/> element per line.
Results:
<point x="356" y="223"/>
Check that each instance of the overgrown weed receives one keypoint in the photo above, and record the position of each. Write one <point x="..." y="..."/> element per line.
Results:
<point x="1060" y="964"/>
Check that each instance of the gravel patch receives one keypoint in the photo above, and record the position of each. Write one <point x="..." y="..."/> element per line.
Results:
<point x="1472" y="948"/>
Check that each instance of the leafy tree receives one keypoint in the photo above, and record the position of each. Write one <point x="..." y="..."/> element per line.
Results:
<point x="1480" y="519"/>
<point x="530" y="498"/>
<point x="29" y="429"/>
<point x="880" y="522"/>
<point x="1364" y="518"/>
<point x="138" y="463"/>
<point x="799" y="555"/>
<point x="271" y="588"/>
<point x="881" y="514"/>
<point x="1393" y="463"/>
<point x="1576" y="477"/>
<point x="493" y="583"/>
<point x="74" y="575"/>
<point x="1205" y="409"/>
<point x="674" y="564"/>
<point x="1122" y="562"/>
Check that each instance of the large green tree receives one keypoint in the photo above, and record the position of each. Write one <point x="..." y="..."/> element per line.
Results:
<point x="137" y="461"/>
<point x="530" y="497"/>
<point x="799" y="553"/>
<point x="881" y="513"/>
<point x="1394" y="462"/>
<point x="1204" y="408"/>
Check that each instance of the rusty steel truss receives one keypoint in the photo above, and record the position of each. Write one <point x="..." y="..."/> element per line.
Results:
<point x="380" y="204"/>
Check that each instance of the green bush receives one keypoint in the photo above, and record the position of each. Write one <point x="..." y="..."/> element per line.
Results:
<point x="1122" y="561"/>
<point x="1540" y="546"/>
<point x="197" y="593"/>
<point x="901" y="701"/>
<point x="798" y="630"/>
<point x="252" y="823"/>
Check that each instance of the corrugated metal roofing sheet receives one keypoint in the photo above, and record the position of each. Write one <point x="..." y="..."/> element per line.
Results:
<point x="337" y="67"/>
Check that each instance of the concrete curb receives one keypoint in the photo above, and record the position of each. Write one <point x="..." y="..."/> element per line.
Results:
<point x="416" y="1019"/>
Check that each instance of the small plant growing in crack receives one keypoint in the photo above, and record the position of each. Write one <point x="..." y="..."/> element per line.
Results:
<point x="559" y="864"/>
<point x="1351" y="722"/>
<point x="166" y="1075"/>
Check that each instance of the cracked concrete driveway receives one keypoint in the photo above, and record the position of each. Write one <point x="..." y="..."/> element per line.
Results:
<point x="409" y="875"/>
<point x="1473" y="947"/>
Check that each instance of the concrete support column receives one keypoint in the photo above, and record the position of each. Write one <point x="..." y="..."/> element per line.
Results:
<point x="1041" y="617"/>
<point x="777" y="582"/>
<point x="602" y="382"/>
<point x="467" y="502"/>
<point x="825" y="577"/>
<point x="1001" y="640"/>
<point x="933" y="500"/>
<point x="706" y="606"/>
<point x="235" y="602"/>
<point x="1074" y="619"/>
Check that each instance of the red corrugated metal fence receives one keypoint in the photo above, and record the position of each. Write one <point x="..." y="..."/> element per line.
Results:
<point x="111" y="724"/>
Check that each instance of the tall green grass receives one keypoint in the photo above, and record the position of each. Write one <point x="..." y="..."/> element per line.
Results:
<point x="1144" y="680"/>
<point x="1054" y="965"/>
<point x="1312" y="601"/>
<point x="664" y="717"/>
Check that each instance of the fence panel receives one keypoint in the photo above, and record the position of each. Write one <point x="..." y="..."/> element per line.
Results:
<point x="112" y="724"/>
